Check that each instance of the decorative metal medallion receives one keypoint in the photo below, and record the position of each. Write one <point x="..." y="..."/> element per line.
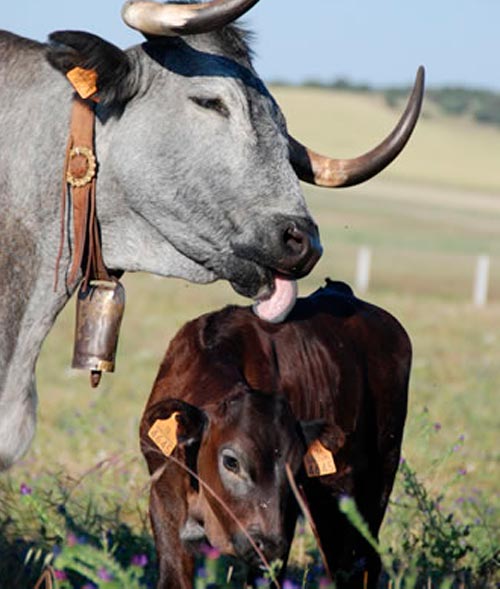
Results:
<point x="88" y="174"/>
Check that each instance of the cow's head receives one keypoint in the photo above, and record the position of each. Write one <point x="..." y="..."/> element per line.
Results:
<point x="239" y="449"/>
<point x="198" y="176"/>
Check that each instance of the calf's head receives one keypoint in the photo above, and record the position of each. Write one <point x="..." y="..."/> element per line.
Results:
<point x="239" y="449"/>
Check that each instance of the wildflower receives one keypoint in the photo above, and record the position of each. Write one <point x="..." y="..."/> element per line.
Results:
<point x="437" y="426"/>
<point x="402" y="460"/>
<point x="462" y="471"/>
<point x="287" y="584"/>
<point x="25" y="490"/>
<point x="71" y="539"/>
<point x="104" y="574"/>
<point x="60" y="575"/>
<point x="213" y="553"/>
<point x="139" y="560"/>
<point x="210" y="552"/>
<point x="202" y="573"/>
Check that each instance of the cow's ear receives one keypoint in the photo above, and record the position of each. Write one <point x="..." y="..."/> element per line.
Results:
<point x="173" y="422"/>
<point x="330" y="435"/>
<point x="68" y="50"/>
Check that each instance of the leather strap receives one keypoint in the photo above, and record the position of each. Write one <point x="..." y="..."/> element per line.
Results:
<point x="80" y="177"/>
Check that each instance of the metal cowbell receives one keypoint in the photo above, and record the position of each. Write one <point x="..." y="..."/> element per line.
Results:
<point x="99" y="312"/>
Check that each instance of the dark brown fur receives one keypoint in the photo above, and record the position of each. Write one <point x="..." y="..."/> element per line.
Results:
<point x="336" y="359"/>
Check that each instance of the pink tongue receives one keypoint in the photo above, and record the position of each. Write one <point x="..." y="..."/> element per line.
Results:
<point x="276" y="308"/>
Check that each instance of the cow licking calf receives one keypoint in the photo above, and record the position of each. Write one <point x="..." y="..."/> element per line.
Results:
<point x="236" y="399"/>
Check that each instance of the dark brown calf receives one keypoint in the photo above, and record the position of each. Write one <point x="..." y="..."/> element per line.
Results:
<point x="251" y="397"/>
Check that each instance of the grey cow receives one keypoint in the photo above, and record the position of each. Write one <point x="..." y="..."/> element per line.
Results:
<point x="197" y="176"/>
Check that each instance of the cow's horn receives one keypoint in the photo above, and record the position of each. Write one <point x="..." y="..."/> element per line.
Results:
<point x="335" y="173"/>
<point x="152" y="18"/>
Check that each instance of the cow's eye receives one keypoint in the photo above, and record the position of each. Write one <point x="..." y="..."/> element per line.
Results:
<point x="231" y="463"/>
<point x="215" y="104"/>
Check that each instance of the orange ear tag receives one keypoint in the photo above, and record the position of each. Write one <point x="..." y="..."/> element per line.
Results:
<point x="83" y="81"/>
<point x="164" y="434"/>
<point x="319" y="461"/>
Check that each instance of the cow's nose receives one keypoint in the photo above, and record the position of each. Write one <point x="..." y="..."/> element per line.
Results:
<point x="301" y="247"/>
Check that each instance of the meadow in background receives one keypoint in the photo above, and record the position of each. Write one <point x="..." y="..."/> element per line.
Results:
<point x="79" y="498"/>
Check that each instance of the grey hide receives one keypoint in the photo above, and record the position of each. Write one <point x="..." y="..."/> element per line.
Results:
<point x="194" y="182"/>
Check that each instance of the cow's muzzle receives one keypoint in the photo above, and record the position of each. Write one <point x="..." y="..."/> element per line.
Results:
<point x="287" y="245"/>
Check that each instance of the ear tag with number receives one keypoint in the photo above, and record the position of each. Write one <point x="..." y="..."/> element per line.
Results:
<point x="83" y="81"/>
<point x="319" y="461"/>
<point x="164" y="434"/>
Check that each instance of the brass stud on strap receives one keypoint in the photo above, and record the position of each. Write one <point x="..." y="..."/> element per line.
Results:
<point x="78" y="182"/>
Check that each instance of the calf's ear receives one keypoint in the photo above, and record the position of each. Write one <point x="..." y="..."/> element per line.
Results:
<point x="187" y="421"/>
<point x="68" y="50"/>
<point x="171" y="423"/>
<point x="330" y="435"/>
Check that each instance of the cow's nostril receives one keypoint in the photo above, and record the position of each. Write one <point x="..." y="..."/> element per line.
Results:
<point x="295" y="239"/>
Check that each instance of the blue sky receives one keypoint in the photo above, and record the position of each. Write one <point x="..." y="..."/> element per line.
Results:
<point x="376" y="41"/>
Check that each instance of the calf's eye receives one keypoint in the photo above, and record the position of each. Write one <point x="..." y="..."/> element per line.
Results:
<point x="231" y="463"/>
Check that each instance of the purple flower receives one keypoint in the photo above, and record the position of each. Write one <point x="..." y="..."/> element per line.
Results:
<point x="287" y="584"/>
<point x="210" y="552"/>
<point x="60" y="575"/>
<point x="461" y="438"/>
<point x="25" y="490"/>
<point x="104" y="574"/>
<point x="139" y="560"/>
<point x="462" y="471"/>
<point x="437" y="426"/>
<point x="202" y="573"/>
<point x="71" y="539"/>
<point x="402" y="460"/>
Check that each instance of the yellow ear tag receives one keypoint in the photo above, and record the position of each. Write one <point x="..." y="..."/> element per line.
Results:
<point x="319" y="461"/>
<point x="83" y="81"/>
<point x="164" y="434"/>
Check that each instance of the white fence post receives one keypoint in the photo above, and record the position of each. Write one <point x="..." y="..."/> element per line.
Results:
<point x="363" y="269"/>
<point x="481" y="281"/>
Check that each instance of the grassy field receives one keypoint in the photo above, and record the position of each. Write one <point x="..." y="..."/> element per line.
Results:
<point x="426" y="219"/>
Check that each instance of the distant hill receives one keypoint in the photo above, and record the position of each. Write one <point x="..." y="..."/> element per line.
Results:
<point x="445" y="150"/>
<point x="481" y="105"/>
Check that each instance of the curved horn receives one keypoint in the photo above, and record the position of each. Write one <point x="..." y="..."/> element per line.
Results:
<point x="336" y="173"/>
<point x="151" y="18"/>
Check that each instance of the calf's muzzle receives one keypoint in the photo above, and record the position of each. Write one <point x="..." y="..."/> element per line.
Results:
<point x="272" y="547"/>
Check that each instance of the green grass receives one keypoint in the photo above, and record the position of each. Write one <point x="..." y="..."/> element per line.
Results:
<point x="425" y="238"/>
